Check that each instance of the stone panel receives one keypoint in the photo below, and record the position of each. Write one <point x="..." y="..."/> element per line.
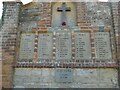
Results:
<point x="26" y="47"/>
<point x="102" y="46"/>
<point x="64" y="75"/>
<point x="45" y="46"/>
<point x="82" y="46"/>
<point x="63" y="46"/>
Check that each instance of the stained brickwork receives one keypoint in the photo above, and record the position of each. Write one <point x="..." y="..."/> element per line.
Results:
<point x="37" y="14"/>
<point x="83" y="20"/>
<point x="9" y="34"/>
<point x="0" y="59"/>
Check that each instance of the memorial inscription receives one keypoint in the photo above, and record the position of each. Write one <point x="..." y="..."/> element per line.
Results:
<point x="64" y="75"/>
<point x="63" y="46"/>
<point x="82" y="46"/>
<point x="45" y="46"/>
<point x="102" y="46"/>
<point x="27" y="47"/>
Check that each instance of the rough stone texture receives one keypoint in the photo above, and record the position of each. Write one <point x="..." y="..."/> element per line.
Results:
<point x="0" y="74"/>
<point x="118" y="49"/>
<point x="10" y="23"/>
<point x="34" y="15"/>
<point x="115" y="8"/>
<point x="0" y="59"/>
<point x="26" y="47"/>
<point x="0" y="23"/>
<point x="82" y="78"/>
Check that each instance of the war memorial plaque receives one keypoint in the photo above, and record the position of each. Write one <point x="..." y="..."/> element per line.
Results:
<point x="102" y="46"/>
<point x="82" y="46"/>
<point x="45" y="46"/>
<point x="27" y="47"/>
<point x="63" y="46"/>
<point x="64" y="75"/>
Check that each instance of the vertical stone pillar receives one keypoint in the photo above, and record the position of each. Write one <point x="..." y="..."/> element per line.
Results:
<point x="115" y="22"/>
<point x="11" y="10"/>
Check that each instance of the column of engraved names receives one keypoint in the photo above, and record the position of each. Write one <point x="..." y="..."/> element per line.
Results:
<point x="27" y="47"/>
<point x="82" y="46"/>
<point x="45" y="46"/>
<point x="102" y="46"/>
<point x="63" y="46"/>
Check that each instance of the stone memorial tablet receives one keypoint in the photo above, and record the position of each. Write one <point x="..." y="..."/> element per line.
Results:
<point x="27" y="47"/>
<point x="102" y="46"/>
<point x="64" y="75"/>
<point x="45" y="46"/>
<point x="82" y="46"/>
<point x="63" y="46"/>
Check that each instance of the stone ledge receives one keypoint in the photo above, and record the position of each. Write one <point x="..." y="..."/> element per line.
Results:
<point x="54" y="65"/>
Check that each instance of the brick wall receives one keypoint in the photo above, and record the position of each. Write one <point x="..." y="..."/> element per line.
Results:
<point x="82" y="20"/>
<point x="35" y="15"/>
<point x="9" y="32"/>
<point x="38" y="18"/>
<point x="118" y="48"/>
<point x="115" y="17"/>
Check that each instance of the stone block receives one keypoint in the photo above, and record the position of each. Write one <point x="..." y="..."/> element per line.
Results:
<point x="89" y="85"/>
<point x="82" y="46"/>
<point x="22" y="71"/>
<point x="102" y="46"/>
<point x="106" y="85"/>
<point x="45" y="72"/>
<point x="35" y="71"/>
<point x="26" y="50"/>
<point x="45" y="46"/>
<point x="108" y="76"/>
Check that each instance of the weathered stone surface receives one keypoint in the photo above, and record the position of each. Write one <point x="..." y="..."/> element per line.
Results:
<point x="9" y="36"/>
<point x="0" y="73"/>
<point x="102" y="46"/>
<point x="25" y="26"/>
<point x="45" y="46"/>
<point x="63" y="46"/>
<point x="82" y="46"/>
<point x="82" y="78"/>
<point x="27" y="47"/>
<point x="64" y="75"/>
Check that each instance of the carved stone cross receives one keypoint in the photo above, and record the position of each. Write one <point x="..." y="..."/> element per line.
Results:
<point x="63" y="9"/>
